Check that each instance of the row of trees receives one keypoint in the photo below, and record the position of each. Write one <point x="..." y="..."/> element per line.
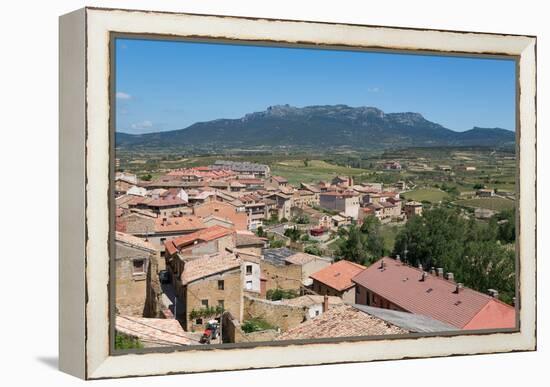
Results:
<point x="363" y="244"/>
<point x="479" y="254"/>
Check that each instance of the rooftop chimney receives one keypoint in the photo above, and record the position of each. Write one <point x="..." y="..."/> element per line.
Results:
<point x="513" y="301"/>
<point x="398" y="258"/>
<point x="382" y="264"/>
<point x="432" y="271"/>
<point x="420" y="267"/>
<point x="459" y="287"/>
<point x="424" y="275"/>
<point x="493" y="293"/>
<point x="440" y="272"/>
<point x="450" y="277"/>
<point x="325" y="303"/>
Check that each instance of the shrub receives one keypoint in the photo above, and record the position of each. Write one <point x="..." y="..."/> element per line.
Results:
<point x="279" y="294"/>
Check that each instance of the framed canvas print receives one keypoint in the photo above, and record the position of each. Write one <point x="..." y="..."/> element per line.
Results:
<point x="242" y="193"/>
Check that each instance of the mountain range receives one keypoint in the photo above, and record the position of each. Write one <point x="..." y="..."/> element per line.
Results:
<point x="320" y="127"/>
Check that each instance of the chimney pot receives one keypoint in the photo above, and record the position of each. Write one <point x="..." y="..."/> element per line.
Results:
<point x="325" y="303"/>
<point x="440" y="272"/>
<point x="432" y="271"/>
<point x="397" y="257"/>
<point x="420" y="267"/>
<point x="424" y="275"/>
<point x="450" y="277"/>
<point x="459" y="287"/>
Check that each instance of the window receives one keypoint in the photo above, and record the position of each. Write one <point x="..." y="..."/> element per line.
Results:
<point x="204" y="303"/>
<point x="138" y="266"/>
<point x="198" y="321"/>
<point x="221" y="285"/>
<point x="221" y="304"/>
<point x="248" y="285"/>
<point x="248" y="269"/>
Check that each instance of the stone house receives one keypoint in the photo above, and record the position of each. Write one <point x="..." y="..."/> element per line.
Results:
<point x="413" y="209"/>
<point x="346" y="203"/>
<point x="132" y="259"/>
<point x="207" y="282"/>
<point x="335" y="280"/>
<point x="290" y="270"/>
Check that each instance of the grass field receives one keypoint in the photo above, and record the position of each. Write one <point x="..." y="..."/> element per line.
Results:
<point x="432" y="195"/>
<point x="296" y="172"/>
<point x="389" y="232"/>
<point x="495" y="204"/>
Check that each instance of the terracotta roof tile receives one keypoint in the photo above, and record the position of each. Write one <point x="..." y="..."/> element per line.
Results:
<point x="134" y="241"/>
<point x="155" y="331"/>
<point x="206" y="266"/>
<point x="435" y="297"/>
<point x="178" y="223"/>
<point x="341" y="321"/>
<point x="206" y="235"/>
<point x="338" y="275"/>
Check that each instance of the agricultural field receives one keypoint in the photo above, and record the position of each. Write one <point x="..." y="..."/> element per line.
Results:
<point x="495" y="203"/>
<point x="432" y="195"/>
<point x="296" y="171"/>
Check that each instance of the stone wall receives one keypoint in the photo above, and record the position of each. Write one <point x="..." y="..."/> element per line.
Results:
<point x="130" y="287"/>
<point x="288" y="277"/>
<point x="207" y="289"/>
<point x="232" y="332"/>
<point x="275" y="313"/>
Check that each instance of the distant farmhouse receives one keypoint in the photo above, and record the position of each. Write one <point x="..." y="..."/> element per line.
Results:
<point x="258" y="170"/>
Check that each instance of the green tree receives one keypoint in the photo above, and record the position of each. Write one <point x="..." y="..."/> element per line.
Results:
<point x="123" y="341"/>
<point x="442" y="237"/>
<point x="293" y="233"/>
<point x="313" y="250"/>
<point x="261" y="232"/>
<point x="362" y="245"/>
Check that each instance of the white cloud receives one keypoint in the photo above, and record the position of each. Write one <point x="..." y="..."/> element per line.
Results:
<point x="373" y="89"/>
<point x="122" y="95"/>
<point x="142" y="125"/>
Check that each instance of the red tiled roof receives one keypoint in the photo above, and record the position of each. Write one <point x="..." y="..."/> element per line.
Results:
<point x="341" y="321"/>
<point x="206" y="266"/>
<point x="168" y="201"/>
<point x="179" y="223"/>
<point x="205" y="235"/>
<point x="435" y="297"/>
<point x="338" y="275"/>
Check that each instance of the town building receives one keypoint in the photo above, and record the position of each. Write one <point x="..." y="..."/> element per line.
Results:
<point x="207" y="241"/>
<point x="234" y="214"/>
<point x="335" y="280"/>
<point x="288" y="269"/>
<point x="258" y="170"/>
<point x="347" y="203"/>
<point x="209" y="282"/>
<point x="485" y="192"/>
<point x="132" y="260"/>
<point x="392" y="284"/>
<point x="413" y="208"/>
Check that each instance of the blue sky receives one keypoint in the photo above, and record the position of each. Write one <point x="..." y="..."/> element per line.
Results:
<point x="167" y="85"/>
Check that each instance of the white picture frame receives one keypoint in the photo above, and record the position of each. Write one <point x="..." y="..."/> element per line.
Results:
<point x="85" y="170"/>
